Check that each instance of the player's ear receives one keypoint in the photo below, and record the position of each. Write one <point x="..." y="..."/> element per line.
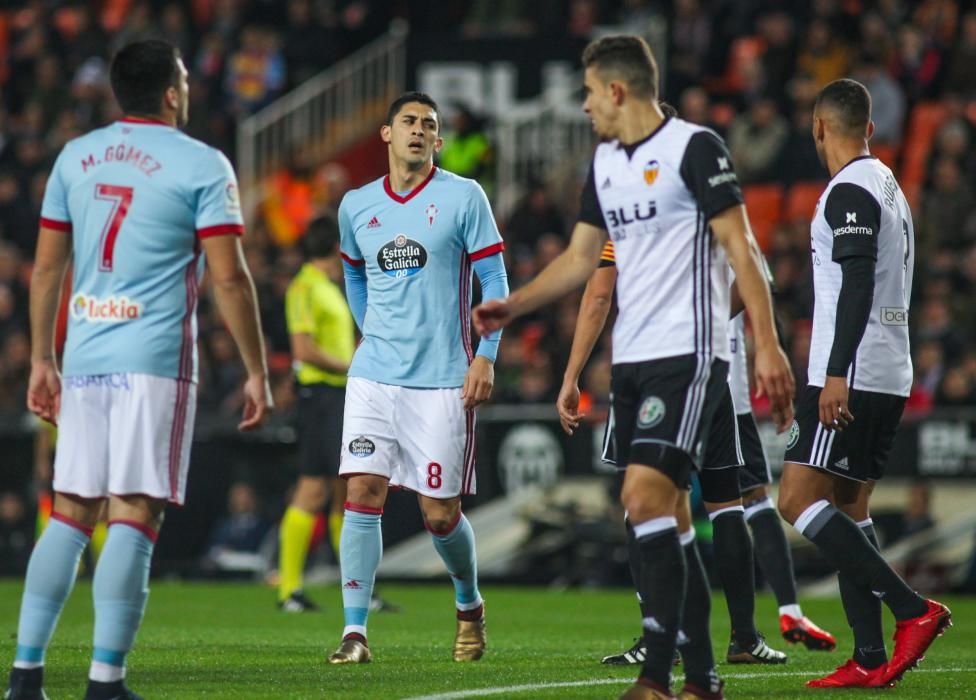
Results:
<point x="386" y="133"/>
<point x="870" y="129"/>
<point x="438" y="144"/>
<point x="172" y="98"/>
<point x="617" y="92"/>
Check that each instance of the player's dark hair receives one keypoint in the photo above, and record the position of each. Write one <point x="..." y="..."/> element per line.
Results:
<point x="627" y="58"/>
<point x="667" y="109"/>
<point x="850" y="101"/>
<point x="141" y="72"/>
<point x="321" y="237"/>
<point x="407" y="97"/>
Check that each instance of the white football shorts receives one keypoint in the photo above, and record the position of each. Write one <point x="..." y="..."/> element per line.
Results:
<point x="124" y="434"/>
<point x="420" y="439"/>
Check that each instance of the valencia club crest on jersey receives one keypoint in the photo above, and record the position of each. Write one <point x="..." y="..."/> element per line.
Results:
<point x="650" y="171"/>
<point x="431" y="213"/>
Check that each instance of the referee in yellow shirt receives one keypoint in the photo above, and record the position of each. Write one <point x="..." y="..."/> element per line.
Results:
<point x="322" y="335"/>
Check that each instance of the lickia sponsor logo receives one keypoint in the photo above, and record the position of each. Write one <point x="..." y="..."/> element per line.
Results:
<point x="113" y="309"/>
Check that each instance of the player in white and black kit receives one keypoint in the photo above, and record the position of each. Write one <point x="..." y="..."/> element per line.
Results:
<point x="665" y="192"/>
<point x="860" y="373"/>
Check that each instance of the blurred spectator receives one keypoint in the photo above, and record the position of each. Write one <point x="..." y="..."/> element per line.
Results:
<point x="936" y="325"/>
<point x="288" y="206"/>
<point x="467" y="149"/>
<point x="779" y="53"/>
<point x="956" y="389"/>
<point x="887" y="100"/>
<point x="309" y="45"/>
<point x="947" y="207"/>
<point x="16" y="534"/>
<point x="960" y="74"/>
<point x="917" y="63"/>
<point x="691" y="32"/>
<point x="917" y="516"/>
<point x="755" y="140"/>
<point x="533" y="217"/>
<point x="236" y="538"/>
<point x="694" y="107"/>
<point x="797" y="159"/>
<point x="255" y="72"/>
<point x="824" y="56"/>
<point x="929" y="366"/>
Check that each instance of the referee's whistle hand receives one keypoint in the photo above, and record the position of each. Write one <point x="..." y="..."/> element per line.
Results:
<point x="491" y="316"/>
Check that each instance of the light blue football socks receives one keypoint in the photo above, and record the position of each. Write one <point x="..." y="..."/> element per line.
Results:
<point x="50" y="577"/>
<point x="360" y="549"/>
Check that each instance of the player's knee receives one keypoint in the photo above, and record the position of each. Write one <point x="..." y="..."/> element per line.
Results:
<point x="754" y="495"/>
<point x="791" y="504"/>
<point x="310" y="494"/>
<point x="440" y="516"/>
<point x="645" y="504"/>
<point x="367" y="491"/>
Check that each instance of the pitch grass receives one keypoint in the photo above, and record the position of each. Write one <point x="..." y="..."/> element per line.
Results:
<point x="228" y="641"/>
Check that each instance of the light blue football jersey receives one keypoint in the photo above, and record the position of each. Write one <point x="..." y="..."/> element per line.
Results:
<point x="137" y="197"/>
<point x="417" y="250"/>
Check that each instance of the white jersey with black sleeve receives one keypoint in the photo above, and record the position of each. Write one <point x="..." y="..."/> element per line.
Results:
<point x="864" y="213"/>
<point x="655" y="198"/>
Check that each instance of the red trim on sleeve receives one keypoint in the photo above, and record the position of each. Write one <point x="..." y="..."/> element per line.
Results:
<point x="220" y="230"/>
<point x="412" y="193"/>
<point x="63" y="226"/>
<point x="487" y="252"/>
<point x="357" y="508"/>
<point x="352" y="261"/>
<point x="87" y="531"/>
<point x="144" y="529"/>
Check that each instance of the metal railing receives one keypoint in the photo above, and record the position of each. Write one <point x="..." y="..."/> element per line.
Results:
<point x="543" y="140"/>
<point x="322" y="115"/>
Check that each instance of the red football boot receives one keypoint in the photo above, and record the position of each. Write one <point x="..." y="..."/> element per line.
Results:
<point x="800" y="630"/>
<point x="914" y="636"/>
<point x="853" y="675"/>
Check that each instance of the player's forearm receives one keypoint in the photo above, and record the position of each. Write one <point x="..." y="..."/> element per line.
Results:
<point x="567" y="272"/>
<point x="594" y="309"/>
<point x="853" y="312"/>
<point x="322" y="360"/>
<point x="494" y="285"/>
<point x="746" y="260"/>
<point x="45" y="296"/>
<point x="237" y="301"/>
<point x="356" y="292"/>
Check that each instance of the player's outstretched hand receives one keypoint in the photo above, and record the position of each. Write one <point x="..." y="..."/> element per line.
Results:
<point x="490" y="316"/>
<point x="775" y="378"/>
<point x="257" y="402"/>
<point x="567" y="406"/>
<point x="44" y="391"/>
<point x="834" y="413"/>
<point x="478" y="382"/>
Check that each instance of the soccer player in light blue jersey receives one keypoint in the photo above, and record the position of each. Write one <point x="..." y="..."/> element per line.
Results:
<point x="409" y="242"/>
<point x="140" y="206"/>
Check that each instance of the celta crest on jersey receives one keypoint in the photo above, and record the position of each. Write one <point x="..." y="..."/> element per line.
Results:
<point x="431" y="213"/>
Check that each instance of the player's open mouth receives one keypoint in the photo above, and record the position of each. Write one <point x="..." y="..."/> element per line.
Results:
<point x="415" y="145"/>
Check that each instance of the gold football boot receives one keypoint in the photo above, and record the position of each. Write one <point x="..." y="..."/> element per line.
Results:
<point x="351" y="651"/>
<point x="470" y="639"/>
<point x="642" y="692"/>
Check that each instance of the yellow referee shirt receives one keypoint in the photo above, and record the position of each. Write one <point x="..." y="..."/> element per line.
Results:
<point x="315" y="305"/>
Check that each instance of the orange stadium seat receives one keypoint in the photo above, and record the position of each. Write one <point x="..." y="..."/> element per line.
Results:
<point x="923" y="123"/>
<point x="765" y="206"/>
<point x="802" y="200"/>
<point x="886" y="153"/>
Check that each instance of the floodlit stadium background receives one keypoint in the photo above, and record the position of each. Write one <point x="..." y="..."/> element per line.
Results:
<point x="294" y="92"/>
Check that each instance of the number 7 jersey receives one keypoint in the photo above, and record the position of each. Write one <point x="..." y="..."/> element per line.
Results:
<point x="137" y="197"/>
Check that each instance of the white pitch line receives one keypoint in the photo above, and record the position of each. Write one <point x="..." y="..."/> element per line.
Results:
<point x="486" y="692"/>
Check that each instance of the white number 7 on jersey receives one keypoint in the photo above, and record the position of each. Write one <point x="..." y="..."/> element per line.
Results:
<point x="121" y="198"/>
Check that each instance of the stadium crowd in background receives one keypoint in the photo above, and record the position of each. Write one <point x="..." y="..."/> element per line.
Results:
<point x="750" y="70"/>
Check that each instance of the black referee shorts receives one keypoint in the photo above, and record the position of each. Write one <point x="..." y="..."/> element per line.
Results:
<point x="860" y="451"/>
<point x="661" y="412"/>
<point x="319" y="414"/>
